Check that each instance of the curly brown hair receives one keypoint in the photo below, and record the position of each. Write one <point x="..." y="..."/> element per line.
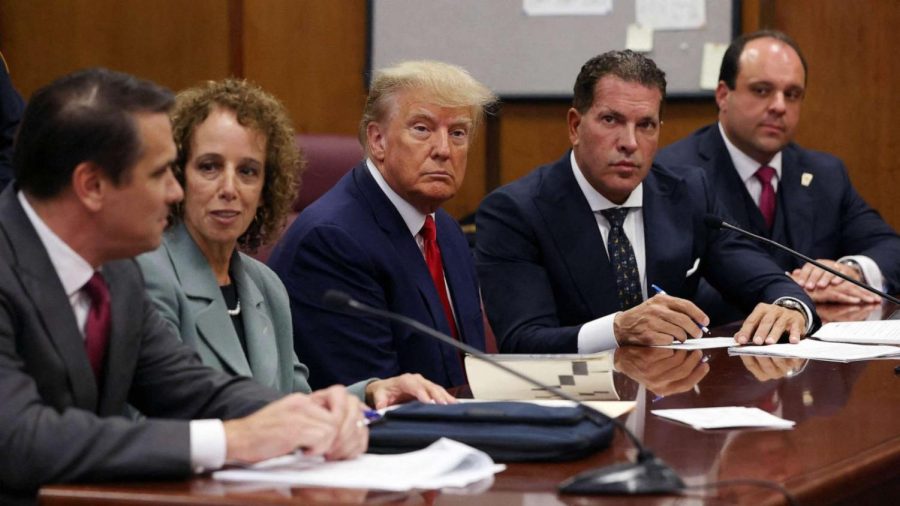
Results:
<point x="260" y="111"/>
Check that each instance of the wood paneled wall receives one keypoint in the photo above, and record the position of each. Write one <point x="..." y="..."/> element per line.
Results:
<point x="853" y="94"/>
<point x="173" y="42"/>
<point x="312" y="55"/>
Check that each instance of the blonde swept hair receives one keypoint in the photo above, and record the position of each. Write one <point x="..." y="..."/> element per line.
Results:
<point x="443" y="84"/>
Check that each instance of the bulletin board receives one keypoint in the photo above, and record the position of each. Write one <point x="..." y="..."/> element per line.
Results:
<point x="521" y="54"/>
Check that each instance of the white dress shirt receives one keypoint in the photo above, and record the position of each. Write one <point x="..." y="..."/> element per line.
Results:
<point x="746" y="168"/>
<point x="598" y="335"/>
<point x="208" y="444"/>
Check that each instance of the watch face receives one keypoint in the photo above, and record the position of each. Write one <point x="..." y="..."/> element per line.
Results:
<point x="790" y="304"/>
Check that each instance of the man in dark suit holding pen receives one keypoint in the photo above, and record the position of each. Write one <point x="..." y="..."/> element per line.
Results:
<point x="777" y="189"/>
<point x="566" y="254"/>
<point x="78" y="336"/>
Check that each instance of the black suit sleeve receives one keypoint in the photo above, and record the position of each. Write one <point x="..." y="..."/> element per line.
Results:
<point x="11" y="108"/>
<point x="45" y="441"/>
<point x="864" y="232"/>
<point x="516" y="287"/>
<point x="741" y="270"/>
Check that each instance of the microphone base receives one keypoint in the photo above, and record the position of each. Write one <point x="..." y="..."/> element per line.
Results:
<point x="652" y="476"/>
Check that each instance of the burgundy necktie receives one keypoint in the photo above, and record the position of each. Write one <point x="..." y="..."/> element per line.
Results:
<point x="767" y="196"/>
<point x="96" y="329"/>
<point x="436" y="268"/>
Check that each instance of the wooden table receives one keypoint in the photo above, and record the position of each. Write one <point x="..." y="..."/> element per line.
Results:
<point x="845" y="447"/>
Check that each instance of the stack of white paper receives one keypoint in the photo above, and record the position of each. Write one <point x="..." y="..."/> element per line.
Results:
<point x="874" y="332"/>
<point x="724" y="417"/>
<point x="819" y="350"/>
<point x="702" y="343"/>
<point x="446" y="463"/>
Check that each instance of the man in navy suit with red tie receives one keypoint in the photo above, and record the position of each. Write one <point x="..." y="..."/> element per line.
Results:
<point x="777" y="189"/>
<point x="381" y="236"/>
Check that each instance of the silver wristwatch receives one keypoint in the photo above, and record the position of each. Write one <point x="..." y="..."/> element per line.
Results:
<point x="795" y="305"/>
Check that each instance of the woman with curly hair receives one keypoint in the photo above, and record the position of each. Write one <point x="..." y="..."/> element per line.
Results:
<point x="238" y="165"/>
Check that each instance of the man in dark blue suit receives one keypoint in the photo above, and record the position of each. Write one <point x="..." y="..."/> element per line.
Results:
<point x="373" y="236"/>
<point x="11" y="108"/>
<point x="777" y="189"/>
<point x="566" y="255"/>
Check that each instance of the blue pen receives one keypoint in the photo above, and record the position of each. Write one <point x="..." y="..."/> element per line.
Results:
<point x="660" y="291"/>
<point x="371" y="416"/>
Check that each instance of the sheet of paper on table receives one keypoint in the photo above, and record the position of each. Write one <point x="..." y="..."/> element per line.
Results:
<point x="724" y="418"/>
<point x="444" y="463"/>
<point x="700" y="344"/>
<point x="820" y="350"/>
<point x="865" y="332"/>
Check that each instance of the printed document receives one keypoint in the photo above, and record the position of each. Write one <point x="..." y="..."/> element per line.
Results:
<point x="724" y="417"/>
<point x="820" y="350"/>
<point x="865" y="332"/>
<point x="445" y="463"/>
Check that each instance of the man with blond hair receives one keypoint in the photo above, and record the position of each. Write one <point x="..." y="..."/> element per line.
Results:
<point x="380" y="236"/>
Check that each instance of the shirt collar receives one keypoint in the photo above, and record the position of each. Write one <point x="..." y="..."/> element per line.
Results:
<point x="73" y="270"/>
<point x="411" y="216"/>
<point x="595" y="199"/>
<point x="746" y="166"/>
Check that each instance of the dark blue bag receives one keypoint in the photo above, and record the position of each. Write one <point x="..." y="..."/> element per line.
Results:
<point x="507" y="431"/>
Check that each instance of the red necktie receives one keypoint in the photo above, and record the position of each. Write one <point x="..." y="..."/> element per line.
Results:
<point x="96" y="329"/>
<point x="767" y="196"/>
<point x="436" y="268"/>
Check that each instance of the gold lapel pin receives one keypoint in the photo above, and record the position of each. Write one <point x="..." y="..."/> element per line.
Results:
<point x="806" y="178"/>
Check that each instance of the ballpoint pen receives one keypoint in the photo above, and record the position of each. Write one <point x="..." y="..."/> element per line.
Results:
<point x="371" y="416"/>
<point x="660" y="291"/>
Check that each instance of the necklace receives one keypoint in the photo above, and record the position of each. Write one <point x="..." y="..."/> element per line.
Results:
<point x="236" y="311"/>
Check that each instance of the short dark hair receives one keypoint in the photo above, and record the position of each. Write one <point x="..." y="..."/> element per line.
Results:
<point x="83" y="116"/>
<point x="626" y="65"/>
<point x="730" y="68"/>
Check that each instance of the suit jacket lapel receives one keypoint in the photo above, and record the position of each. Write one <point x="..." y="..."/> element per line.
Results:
<point x="43" y="287"/>
<point x="667" y="234"/>
<point x="459" y="278"/>
<point x="728" y="184"/>
<point x="796" y="202"/>
<point x="122" y="351"/>
<point x="261" y="348"/>
<point x="405" y="244"/>
<point x="574" y="229"/>
<point x="202" y="289"/>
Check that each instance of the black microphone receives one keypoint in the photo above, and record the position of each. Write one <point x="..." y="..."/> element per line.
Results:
<point x="714" y="222"/>
<point x="649" y="475"/>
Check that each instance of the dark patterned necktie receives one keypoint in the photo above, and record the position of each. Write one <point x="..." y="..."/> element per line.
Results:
<point x="621" y="256"/>
<point x="97" y="326"/>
